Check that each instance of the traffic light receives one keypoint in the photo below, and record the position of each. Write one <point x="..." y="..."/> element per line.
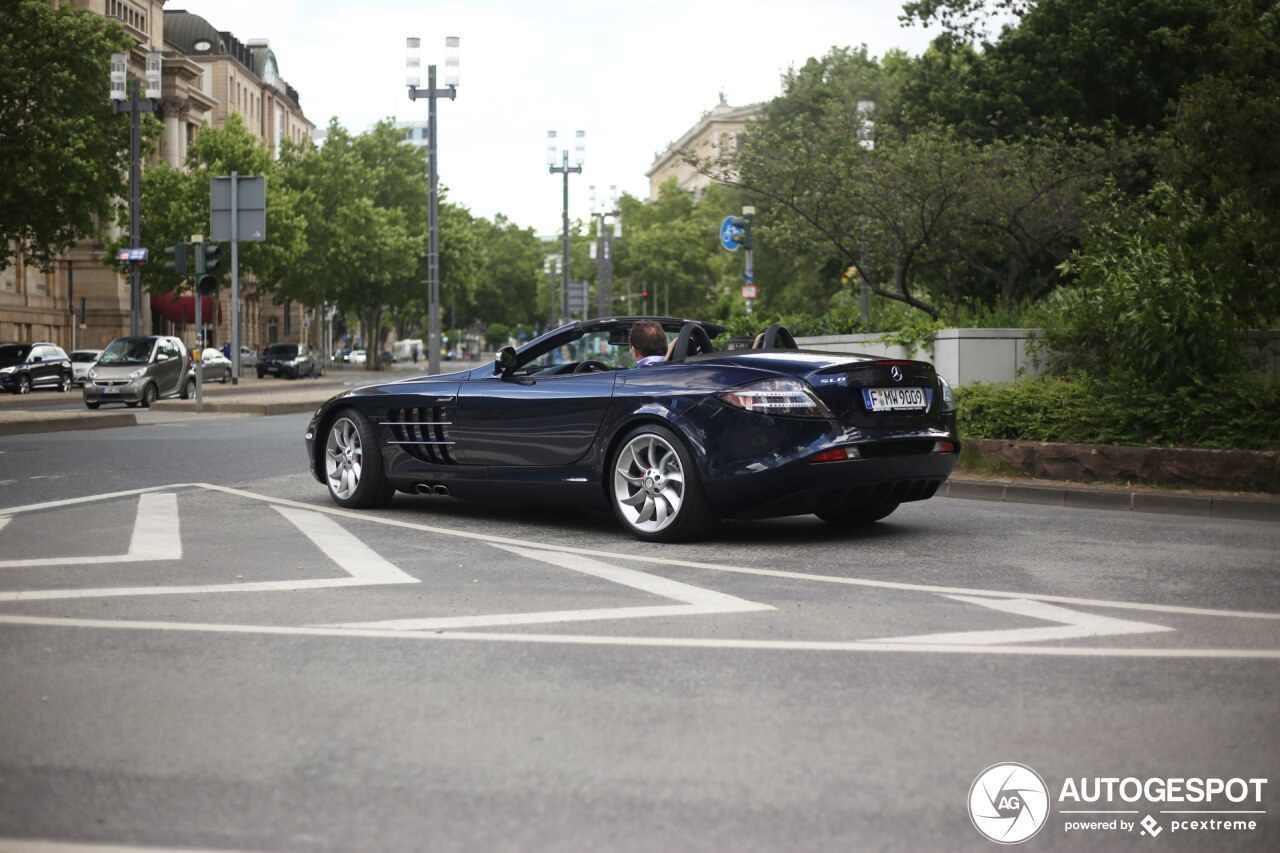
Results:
<point x="207" y="265"/>
<point x="743" y="224"/>
<point x="178" y="255"/>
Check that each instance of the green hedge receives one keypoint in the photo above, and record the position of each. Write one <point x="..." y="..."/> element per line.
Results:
<point x="1237" y="412"/>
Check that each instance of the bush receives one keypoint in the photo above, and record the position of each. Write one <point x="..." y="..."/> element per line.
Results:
<point x="1233" y="412"/>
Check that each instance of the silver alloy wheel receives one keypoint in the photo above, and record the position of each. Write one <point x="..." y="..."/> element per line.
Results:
<point x="343" y="458"/>
<point x="24" y="384"/>
<point x="649" y="483"/>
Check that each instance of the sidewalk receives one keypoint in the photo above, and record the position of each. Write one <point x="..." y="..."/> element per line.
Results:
<point x="264" y="397"/>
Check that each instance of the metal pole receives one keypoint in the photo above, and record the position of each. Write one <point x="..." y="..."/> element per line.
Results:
<point x="135" y="205"/>
<point x="433" y="229"/>
<point x="199" y="365"/>
<point x="235" y="281"/>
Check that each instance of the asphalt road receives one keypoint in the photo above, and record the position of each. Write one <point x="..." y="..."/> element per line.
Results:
<point x="220" y="659"/>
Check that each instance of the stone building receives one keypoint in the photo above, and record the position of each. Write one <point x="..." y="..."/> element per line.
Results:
<point x="207" y="75"/>
<point x="716" y="132"/>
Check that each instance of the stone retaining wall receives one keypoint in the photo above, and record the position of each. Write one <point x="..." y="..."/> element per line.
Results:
<point x="1227" y="470"/>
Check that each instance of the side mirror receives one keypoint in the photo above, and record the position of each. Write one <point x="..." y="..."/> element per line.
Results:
<point x="505" y="362"/>
<point x="162" y="357"/>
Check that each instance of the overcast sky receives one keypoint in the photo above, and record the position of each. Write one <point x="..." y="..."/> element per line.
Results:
<point x="634" y="74"/>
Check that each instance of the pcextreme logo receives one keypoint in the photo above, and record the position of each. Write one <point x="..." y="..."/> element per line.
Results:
<point x="1008" y="803"/>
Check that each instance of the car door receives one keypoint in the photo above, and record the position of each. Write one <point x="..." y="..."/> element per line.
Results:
<point x="42" y="370"/>
<point x="169" y="369"/>
<point x="533" y="420"/>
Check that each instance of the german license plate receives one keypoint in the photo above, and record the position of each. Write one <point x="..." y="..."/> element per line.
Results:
<point x="894" y="399"/>
<point x="111" y="389"/>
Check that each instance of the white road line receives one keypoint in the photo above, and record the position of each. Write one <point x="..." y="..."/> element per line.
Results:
<point x="697" y="601"/>
<point x="106" y="496"/>
<point x="363" y="564"/>
<point x="649" y="642"/>
<point x="1075" y="625"/>
<point x="774" y="573"/>
<point x="4" y="519"/>
<point x="156" y="536"/>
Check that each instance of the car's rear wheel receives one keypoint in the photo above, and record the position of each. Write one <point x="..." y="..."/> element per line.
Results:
<point x="352" y="464"/>
<point x="149" y="395"/>
<point x="189" y="388"/>
<point x="857" y="516"/>
<point x="654" y="487"/>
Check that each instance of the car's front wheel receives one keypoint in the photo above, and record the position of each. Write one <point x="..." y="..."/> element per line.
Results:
<point x="149" y="395"/>
<point x="64" y="384"/>
<point x="226" y="375"/>
<point x="352" y="463"/>
<point x="654" y="487"/>
<point x="857" y="516"/>
<point x="91" y="404"/>
<point x="24" y="385"/>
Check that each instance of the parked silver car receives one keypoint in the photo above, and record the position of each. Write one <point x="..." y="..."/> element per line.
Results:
<point x="215" y="367"/>
<point x="138" y="371"/>
<point x="81" y="361"/>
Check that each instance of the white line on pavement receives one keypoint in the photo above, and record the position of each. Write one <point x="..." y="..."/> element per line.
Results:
<point x="652" y="642"/>
<point x="697" y="601"/>
<point x="156" y="536"/>
<point x="1075" y="625"/>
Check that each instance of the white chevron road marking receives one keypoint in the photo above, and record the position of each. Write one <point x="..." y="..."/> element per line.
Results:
<point x="694" y="600"/>
<point x="155" y="537"/>
<point x="363" y="565"/>
<point x="1073" y="625"/>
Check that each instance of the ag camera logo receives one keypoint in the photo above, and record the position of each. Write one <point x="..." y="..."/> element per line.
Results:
<point x="1008" y="803"/>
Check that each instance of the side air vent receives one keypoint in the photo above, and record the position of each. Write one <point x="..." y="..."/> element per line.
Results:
<point x="423" y="433"/>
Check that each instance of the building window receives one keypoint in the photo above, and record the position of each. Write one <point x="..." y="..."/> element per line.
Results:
<point x="128" y="14"/>
<point x="273" y="330"/>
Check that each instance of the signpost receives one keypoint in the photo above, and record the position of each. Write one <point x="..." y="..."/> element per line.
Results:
<point x="237" y="211"/>
<point x="735" y="233"/>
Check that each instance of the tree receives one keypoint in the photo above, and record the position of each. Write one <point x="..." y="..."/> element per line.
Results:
<point x="65" y="154"/>
<point x="511" y="268"/>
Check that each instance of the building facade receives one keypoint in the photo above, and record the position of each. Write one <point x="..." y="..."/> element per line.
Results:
<point x="207" y="76"/>
<point x="716" y="133"/>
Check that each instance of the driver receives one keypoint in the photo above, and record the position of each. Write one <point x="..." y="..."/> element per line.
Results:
<point x="648" y="343"/>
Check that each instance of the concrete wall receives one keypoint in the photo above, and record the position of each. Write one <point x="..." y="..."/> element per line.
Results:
<point x="965" y="356"/>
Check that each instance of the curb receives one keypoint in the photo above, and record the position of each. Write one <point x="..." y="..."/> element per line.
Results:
<point x="1167" y="503"/>
<point x="66" y="422"/>
<point x="288" y="407"/>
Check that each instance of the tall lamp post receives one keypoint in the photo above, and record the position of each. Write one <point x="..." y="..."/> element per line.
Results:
<point x="608" y="228"/>
<point x="867" y="139"/>
<point x="132" y="104"/>
<point x="413" y="76"/>
<point x="579" y="157"/>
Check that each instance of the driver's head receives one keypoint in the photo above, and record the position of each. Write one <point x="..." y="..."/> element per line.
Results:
<point x="647" y="338"/>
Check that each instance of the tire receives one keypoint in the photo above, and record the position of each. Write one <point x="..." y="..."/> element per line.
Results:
<point x="92" y="405"/>
<point x="655" y="489"/>
<point x="149" y="395"/>
<point x="24" y="385"/>
<point x="261" y="373"/>
<point x="188" y="388"/>
<point x="857" y="516"/>
<point x="353" y="463"/>
<point x="226" y="375"/>
<point x="64" y="384"/>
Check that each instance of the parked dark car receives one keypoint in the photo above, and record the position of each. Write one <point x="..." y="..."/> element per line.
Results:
<point x="138" y="371"/>
<point x="289" y="360"/>
<point x="748" y="433"/>
<point x="26" y="367"/>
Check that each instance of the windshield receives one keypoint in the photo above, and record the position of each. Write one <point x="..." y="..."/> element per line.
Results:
<point x="81" y="357"/>
<point x="14" y="352"/>
<point x="594" y="346"/>
<point x="127" y="351"/>
<point x="283" y="351"/>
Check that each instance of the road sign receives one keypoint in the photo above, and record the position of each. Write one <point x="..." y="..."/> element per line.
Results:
<point x="250" y="212"/>
<point x="132" y="256"/>
<point x="729" y="234"/>
<point x="748" y="291"/>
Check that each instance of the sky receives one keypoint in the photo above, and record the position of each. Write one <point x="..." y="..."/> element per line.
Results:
<point x="634" y="74"/>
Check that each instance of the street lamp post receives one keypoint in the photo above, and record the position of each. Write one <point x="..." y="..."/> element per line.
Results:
<point x="608" y="228"/>
<point x="579" y="157"/>
<point x="135" y="107"/>
<point x="413" y="69"/>
<point x="867" y="139"/>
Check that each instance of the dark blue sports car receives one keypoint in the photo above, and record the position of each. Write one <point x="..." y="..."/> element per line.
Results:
<point x="756" y="429"/>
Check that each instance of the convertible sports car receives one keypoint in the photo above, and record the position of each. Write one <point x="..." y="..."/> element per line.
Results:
<point x="758" y="429"/>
